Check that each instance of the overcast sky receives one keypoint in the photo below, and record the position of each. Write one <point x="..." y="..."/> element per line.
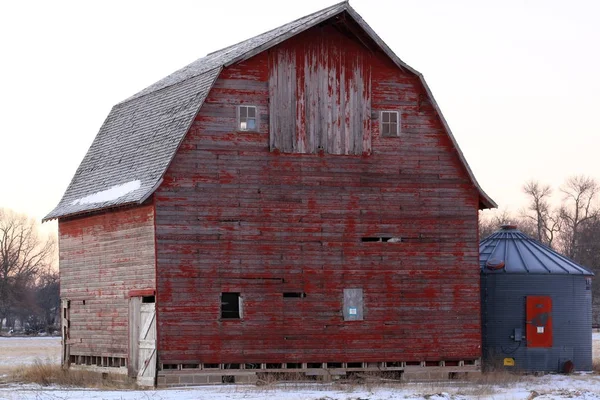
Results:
<point x="517" y="80"/>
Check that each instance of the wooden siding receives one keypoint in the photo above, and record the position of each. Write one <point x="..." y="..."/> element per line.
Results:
<point x="102" y="258"/>
<point x="233" y="216"/>
<point x="320" y="95"/>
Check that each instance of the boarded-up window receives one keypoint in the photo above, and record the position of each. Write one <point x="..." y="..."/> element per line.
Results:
<point x="320" y="99"/>
<point x="353" y="304"/>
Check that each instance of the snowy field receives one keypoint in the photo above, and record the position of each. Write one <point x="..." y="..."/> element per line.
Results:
<point x="17" y="351"/>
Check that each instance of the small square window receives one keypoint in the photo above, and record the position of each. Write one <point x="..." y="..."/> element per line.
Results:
<point x="390" y="123"/>
<point x="247" y="118"/>
<point x="230" y="305"/>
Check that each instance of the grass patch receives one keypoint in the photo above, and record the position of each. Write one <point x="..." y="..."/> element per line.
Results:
<point x="46" y="374"/>
<point x="499" y="377"/>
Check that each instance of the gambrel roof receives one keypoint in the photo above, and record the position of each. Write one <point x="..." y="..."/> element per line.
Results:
<point x="139" y="138"/>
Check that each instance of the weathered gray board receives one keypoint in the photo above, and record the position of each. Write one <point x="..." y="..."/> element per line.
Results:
<point x="353" y="304"/>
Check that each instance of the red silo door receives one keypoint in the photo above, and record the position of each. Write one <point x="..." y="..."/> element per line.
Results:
<point x="539" y="321"/>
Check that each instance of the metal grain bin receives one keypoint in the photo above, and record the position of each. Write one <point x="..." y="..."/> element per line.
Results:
<point x="536" y="306"/>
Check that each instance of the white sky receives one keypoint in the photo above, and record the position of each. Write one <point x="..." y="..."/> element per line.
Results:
<point x="517" y="80"/>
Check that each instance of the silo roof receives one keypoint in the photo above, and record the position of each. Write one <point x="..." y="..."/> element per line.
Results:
<point x="511" y="251"/>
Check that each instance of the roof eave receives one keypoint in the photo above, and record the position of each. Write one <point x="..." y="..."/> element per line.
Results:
<point x="81" y="213"/>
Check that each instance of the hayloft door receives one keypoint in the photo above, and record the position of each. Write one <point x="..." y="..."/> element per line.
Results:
<point x="142" y="340"/>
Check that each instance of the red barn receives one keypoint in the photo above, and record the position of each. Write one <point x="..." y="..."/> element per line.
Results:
<point x="293" y="203"/>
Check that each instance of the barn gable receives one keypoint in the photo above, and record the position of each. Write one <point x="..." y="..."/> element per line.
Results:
<point x="134" y="147"/>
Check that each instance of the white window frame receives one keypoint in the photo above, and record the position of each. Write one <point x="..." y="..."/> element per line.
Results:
<point x="240" y="121"/>
<point x="383" y="123"/>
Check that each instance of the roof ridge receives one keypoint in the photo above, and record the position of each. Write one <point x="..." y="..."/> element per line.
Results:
<point x="203" y="64"/>
<point x="278" y="27"/>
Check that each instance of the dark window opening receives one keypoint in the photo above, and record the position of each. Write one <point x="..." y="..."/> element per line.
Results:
<point x="386" y="239"/>
<point x="294" y="294"/>
<point x="230" y="305"/>
<point x="83" y="302"/>
<point x="148" y="299"/>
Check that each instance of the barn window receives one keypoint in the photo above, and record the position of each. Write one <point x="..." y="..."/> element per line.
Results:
<point x="390" y="123"/>
<point x="230" y="305"/>
<point x="247" y="118"/>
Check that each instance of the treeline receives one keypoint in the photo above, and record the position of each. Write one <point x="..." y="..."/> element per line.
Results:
<point x="571" y="226"/>
<point x="29" y="285"/>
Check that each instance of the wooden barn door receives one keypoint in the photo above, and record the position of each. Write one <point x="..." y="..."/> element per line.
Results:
<point x="142" y="339"/>
<point x="65" y="332"/>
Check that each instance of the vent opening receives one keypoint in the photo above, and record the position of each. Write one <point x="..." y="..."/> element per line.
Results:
<point x="386" y="239"/>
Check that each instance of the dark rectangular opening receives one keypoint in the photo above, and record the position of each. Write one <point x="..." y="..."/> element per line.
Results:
<point x="211" y="366"/>
<point x="230" y="305"/>
<point x="383" y="239"/>
<point x="371" y="239"/>
<point x="294" y="365"/>
<point x="354" y="365"/>
<point x="148" y="299"/>
<point x="314" y="365"/>
<point x="289" y="295"/>
<point x="228" y="379"/>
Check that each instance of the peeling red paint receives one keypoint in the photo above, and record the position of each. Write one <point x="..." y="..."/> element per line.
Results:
<point x="234" y="216"/>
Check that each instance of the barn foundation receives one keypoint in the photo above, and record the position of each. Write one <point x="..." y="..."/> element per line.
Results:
<point x="183" y="375"/>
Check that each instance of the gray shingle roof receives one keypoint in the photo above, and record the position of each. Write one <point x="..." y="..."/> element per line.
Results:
<point x="141" y="135"/>
<point x="511" y="251"/>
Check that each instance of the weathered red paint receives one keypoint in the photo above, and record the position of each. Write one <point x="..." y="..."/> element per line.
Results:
<point x="233" y="216"/>
<point x="104" y="259"/>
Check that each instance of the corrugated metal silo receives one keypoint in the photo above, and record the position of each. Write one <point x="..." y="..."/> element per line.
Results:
<point x="536" y="306"/>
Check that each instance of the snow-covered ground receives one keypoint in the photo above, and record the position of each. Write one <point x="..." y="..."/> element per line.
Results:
<point x="15" y="351"/>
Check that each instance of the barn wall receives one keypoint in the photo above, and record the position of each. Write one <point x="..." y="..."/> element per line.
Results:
<point x="102" y="258"/>
<point x="233" y="216"/>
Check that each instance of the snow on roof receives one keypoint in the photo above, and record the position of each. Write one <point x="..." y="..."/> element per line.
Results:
<point x="114" y="193"/>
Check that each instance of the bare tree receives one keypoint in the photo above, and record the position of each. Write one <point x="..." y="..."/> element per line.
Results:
<point x="578" y="207"/>
<point x="489" y="224"/>
<point x="547" y="221"/>
<point x="23" y="255"/>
